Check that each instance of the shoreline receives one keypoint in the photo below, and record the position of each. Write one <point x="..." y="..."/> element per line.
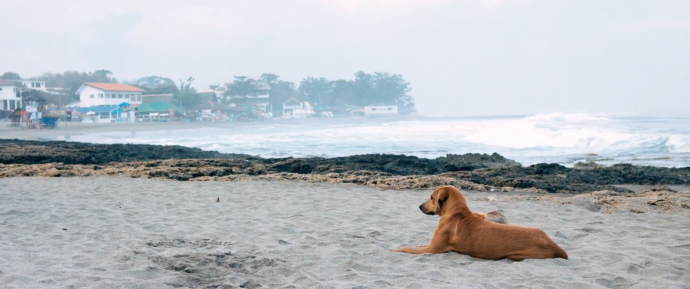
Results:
<point x="255" y="138"/>
<point x="67" y="129"/>
<point x="469" y="171"/>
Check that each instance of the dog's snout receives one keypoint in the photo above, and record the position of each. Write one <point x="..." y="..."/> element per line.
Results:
<point x="421" y="208"/>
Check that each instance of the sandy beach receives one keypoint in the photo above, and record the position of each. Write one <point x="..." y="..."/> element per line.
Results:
<point x="118" y="232"/>
<point x="65" y="130"/>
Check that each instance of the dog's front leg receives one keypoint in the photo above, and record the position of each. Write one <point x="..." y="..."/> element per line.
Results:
<point x="417" y="250"/>
<point x="421" y="249"/>
<point x="439" y="244"/>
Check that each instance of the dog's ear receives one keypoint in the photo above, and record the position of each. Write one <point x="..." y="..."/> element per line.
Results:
<point x="442" y="196"/>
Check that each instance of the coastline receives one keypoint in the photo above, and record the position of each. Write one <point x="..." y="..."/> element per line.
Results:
<point x="469" y="171"/>
<point x="138" y="215"/>
<point x="51" y="152"/>
<point x="68" y="129"/>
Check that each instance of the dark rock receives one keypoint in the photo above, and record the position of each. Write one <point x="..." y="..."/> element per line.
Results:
<point x="491" y="170"/>
<point x="469" y="162"/>
<point x="40" y="152"/>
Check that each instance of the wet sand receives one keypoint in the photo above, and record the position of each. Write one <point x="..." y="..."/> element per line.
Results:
<point x="66" y="130"/>
<point x="142" y="233"/>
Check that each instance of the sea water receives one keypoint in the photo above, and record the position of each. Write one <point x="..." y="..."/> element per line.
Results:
<point x="544" y="138"/>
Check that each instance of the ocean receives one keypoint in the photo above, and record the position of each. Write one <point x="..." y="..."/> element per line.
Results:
<point x="543" y="138"/>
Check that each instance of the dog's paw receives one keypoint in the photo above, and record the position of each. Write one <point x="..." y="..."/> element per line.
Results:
<point x="403" y="249"/>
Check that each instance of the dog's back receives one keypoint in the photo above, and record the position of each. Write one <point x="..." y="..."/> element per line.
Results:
<point x="496" y="241"/>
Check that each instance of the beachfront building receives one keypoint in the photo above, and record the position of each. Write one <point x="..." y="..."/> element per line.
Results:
<point x="290" y="105"/>
<point x="260" y="101"/>
<point x="97" y="94"/>
<point x="157" y="98"/>
<point x="257" y="99"/>
<point x="34" y="84"/>
<point x="10" y="95"/>
<point x="380" y="110"/>
<point x="99" y="114"/>
<point x="209" y="106"/>
<point x="293" y="108"/>
<point x="210" y="95"/>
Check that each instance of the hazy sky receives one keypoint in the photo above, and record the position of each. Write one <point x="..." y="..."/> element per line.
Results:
<point x="461" y="57"/>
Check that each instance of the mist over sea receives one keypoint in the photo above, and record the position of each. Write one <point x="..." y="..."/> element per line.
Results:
<point x="551" y="138"/>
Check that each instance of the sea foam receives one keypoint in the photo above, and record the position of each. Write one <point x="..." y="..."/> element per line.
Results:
<point x="553" y="138"/>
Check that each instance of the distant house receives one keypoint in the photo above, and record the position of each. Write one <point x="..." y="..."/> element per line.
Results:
<point x="158" y="107"/>
<point x="293" y="108"/>
<point x="100" y="114"/>
<point x="95" y="94"/>
<point x="380" y="110"/>
<point x="41" y="99"/>
<point x="10" y="95"/>
<point x="210" y="95"/>
<point x="291" y="104"/>
<point x="209" y="101"/>
<point x="157" y="98"/>
<point x="34" y="84"/>
<point x="259" y="100"/>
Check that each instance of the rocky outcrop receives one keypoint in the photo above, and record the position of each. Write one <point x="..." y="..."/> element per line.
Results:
<point x="42" y="152"/>
<point x="475" y="171"/>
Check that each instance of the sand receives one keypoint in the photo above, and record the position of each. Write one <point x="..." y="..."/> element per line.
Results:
<point x="66" y="130"/>
<point x="118" y="232"/>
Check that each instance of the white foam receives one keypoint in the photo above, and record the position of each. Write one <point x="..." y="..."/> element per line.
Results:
<point x="557" y="137"/>
<point x="679" y="143"/>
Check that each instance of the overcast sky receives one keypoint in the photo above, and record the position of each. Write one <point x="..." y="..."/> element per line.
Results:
<point x="462" y="58"/>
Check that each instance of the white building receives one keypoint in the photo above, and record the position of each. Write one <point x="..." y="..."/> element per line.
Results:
<point x="10" y="95"/>
<point x="293" y="108"/>
<point x="291" y="104"/>
<point x="35" y="84"/>
<point x="259" y="99"/>
<point x="94" y="94"/>
<point x="380" y="110"/>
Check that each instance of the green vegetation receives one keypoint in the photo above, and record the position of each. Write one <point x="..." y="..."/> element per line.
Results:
<point x="280" y="91"/>
<point x="71" y="80"/>
<point x="187" y="94"/>
<point x="365" y="89"/>
<point x="156" y="85"/>
<point x="241" y="87"/>
<point x="10" y="76"/>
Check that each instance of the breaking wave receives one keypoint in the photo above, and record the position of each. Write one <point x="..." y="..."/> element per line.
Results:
<point x="555" y="138"/>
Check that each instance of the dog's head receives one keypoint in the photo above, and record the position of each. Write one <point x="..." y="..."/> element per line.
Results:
<point x="434" y="205"/>
<point x="445" y="199"/>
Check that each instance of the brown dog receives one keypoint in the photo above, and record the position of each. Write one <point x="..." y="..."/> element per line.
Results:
<point x="462" y="231"/>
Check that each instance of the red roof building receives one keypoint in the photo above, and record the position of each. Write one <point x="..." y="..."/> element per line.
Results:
<point x="95" y="94"/>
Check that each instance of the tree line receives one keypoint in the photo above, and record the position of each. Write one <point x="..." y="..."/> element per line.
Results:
<point x="68" y="80"/>
<point x="364" y="89"/>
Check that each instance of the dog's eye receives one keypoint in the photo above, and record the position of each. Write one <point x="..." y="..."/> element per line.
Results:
<point x="432" y="198"/>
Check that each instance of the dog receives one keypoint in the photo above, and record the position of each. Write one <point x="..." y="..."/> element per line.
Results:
<point x="494" y="216"/>
<point x="464" y="232"/>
